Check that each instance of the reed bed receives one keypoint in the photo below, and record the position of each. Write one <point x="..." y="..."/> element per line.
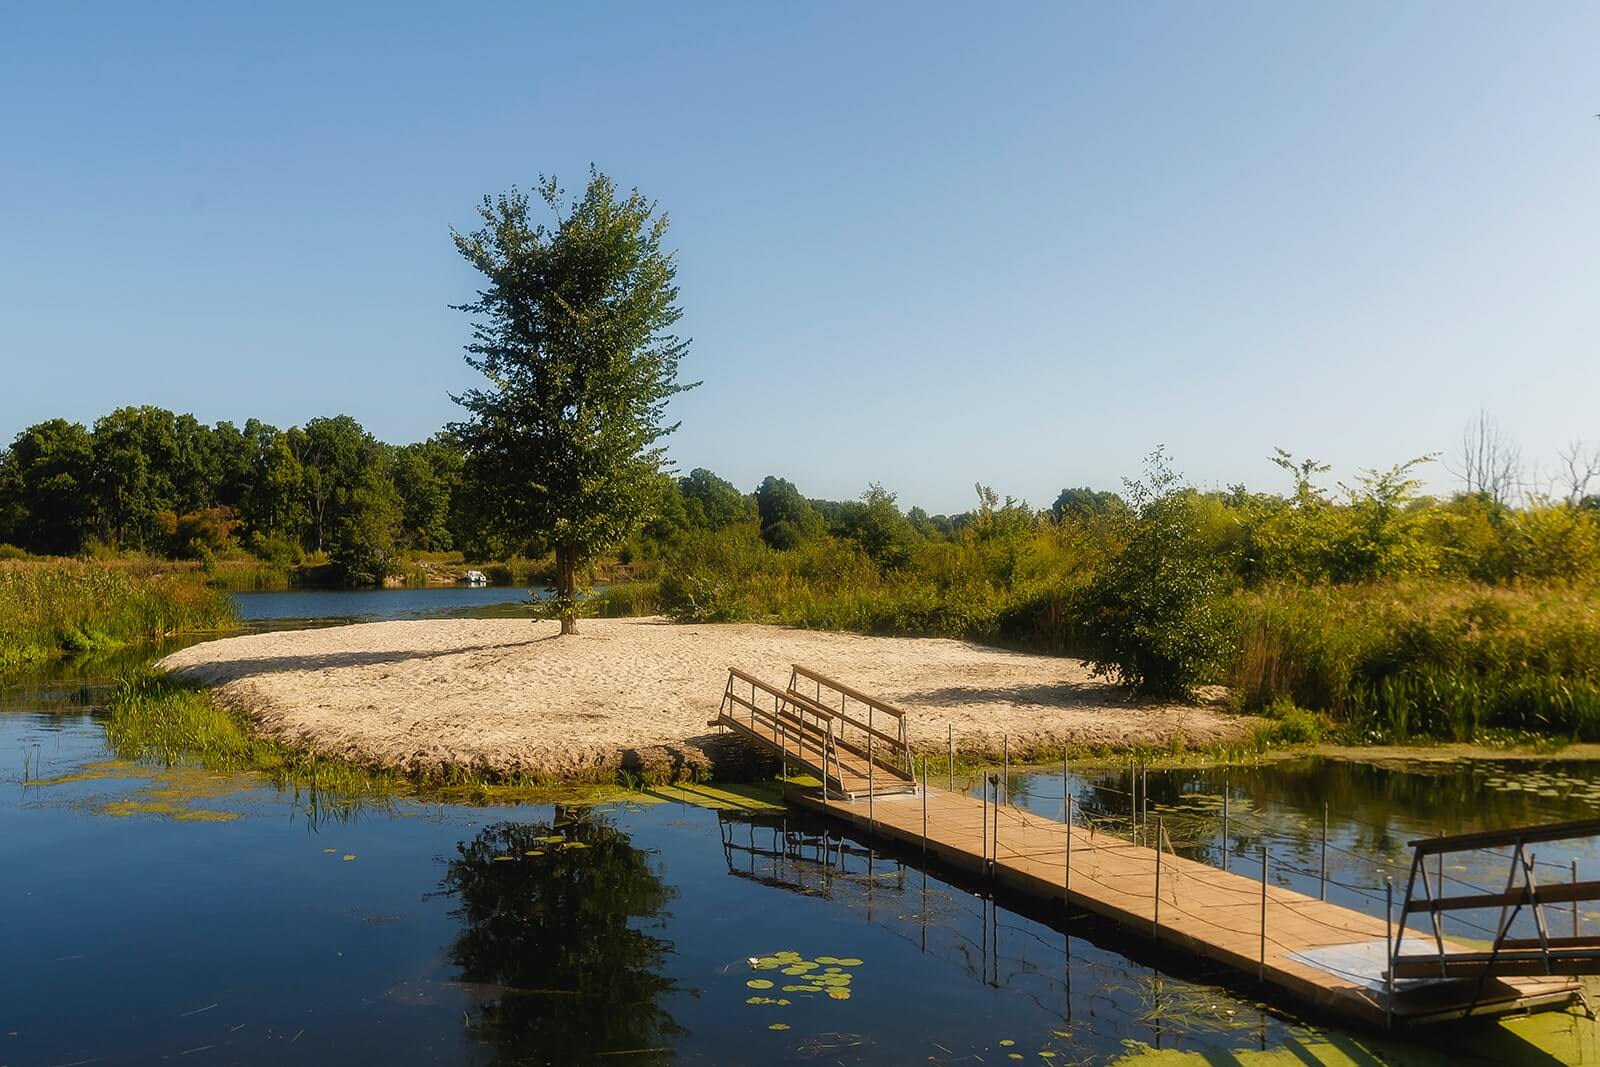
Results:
<point x="1397" y="661"/>
<point x="78" y="607"/>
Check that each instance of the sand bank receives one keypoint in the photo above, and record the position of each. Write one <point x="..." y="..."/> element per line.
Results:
<point x="509" y="696"/>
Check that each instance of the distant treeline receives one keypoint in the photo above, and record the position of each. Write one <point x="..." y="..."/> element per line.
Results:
<point x="144" y="479"/>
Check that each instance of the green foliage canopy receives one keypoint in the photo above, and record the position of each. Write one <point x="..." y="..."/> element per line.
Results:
<point x="572" y="331"/>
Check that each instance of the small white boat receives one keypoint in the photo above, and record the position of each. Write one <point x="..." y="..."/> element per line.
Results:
<point x="475" y="578"/>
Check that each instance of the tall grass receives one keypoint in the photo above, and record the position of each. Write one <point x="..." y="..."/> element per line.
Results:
<point x="155" y="717"/>
<point x="1397" y="661"/>
<point x="250" y="576"/>
<point x="1391" y="660"/>
<point x="74" y="607"/>
<point x="626" y="600"/>
<point x="1012" y="589"/>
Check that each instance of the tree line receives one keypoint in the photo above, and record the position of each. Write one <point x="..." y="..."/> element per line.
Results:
<point x="145" y="479"/>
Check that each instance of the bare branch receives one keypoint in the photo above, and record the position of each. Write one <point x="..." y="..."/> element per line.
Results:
<point x="1490" y="463"/>
<point x="1580" y="467"/>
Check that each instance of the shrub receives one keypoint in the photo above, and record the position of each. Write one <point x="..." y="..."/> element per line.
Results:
<point x="1154" y="614"/>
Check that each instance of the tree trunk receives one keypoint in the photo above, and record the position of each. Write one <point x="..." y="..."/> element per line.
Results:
<point x="567" y="590"/>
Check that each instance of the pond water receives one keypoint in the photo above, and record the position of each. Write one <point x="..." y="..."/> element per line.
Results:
<point x="329" y="606"/>
<point x="151" y="913"/>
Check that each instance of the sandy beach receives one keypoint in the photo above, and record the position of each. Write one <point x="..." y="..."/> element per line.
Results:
<point x="510" y="697"/>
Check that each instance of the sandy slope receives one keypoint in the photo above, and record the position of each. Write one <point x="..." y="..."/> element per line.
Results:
<point x="509" y="696"/>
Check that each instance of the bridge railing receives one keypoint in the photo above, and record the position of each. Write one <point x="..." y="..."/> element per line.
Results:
<point x="788" y="720"/>
<point x="1546" y="954"/>
<point x="881" y="725"/>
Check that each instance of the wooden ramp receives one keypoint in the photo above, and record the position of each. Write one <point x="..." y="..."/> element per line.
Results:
<point x="845" y="748"/>
<point x="1319" y="953"/>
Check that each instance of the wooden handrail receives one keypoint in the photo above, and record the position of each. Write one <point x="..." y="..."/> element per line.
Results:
<point x="888" y="739"/>
<point x="840" y="687"/>
<point x="1551" y="893"/>
<point x="769" y="717"/>
<point x="797" y="698"/>
<point x="1526" y="835"/>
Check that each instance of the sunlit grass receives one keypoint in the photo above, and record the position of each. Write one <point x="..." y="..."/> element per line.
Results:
<point x="69" y="606"/>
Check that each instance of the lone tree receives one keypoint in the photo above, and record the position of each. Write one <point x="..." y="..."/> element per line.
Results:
<point x="573" y="333"/>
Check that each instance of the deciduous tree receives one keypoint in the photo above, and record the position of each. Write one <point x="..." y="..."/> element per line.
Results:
<point x="573" y="332"/>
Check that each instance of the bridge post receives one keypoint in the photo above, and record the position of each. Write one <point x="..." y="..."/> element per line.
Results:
<point x="1225" y="838"/>
<point x="924" y="809"/>
<point x="1005" y="769"/>
<point x="983" y="834"/>
<point x="1322" y="890"/>
<point x="994" y="850"/>
<point x="827" y="746"/>
<point x="871" y="788"/>
<point x="1261" y="966"/>
<point x="950" y="754"/>
<point x="1155" y="915"/>
<point x="1066" y="877"/>
<point x="1388" y="940"/>
<point x="1575" y="903"/>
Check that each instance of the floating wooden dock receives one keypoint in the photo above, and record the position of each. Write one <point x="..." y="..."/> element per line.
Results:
<point x="1334" y="958"/>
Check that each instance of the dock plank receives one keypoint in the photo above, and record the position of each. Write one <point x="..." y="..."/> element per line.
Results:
<point x="1210" y="912"/>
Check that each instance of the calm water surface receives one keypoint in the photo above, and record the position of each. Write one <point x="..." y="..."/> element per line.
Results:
<point x="151" y="914"/>
<point x="378" y="605"/>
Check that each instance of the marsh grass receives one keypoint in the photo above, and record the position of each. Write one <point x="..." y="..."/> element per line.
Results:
<point x="66" y="606"/>
<point x="1412" y="660"/>
<point x="156" y="717"/>
<point x="626" y="600"/>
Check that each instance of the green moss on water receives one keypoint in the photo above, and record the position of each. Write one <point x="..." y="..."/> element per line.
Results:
<point x="1548" y="1037"/>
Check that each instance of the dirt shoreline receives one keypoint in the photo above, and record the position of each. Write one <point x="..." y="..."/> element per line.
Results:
<point x="507" y="697"/>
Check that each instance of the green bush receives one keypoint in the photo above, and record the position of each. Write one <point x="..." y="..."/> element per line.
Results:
<point x="1154" y="614"/>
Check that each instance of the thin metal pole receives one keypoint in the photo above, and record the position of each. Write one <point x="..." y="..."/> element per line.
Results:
<point x="983" y="839"/>
<point x="1439" y="881"/>
<point x="994" y="848"/>
<point x="1133" y="797"/>
<point x="827" y="744"/>
<point x="1261" y="967"/>
<point x="1322" y="891"/>
<point x="1144" y="797"/>
<point x="1005" y="769"/>
<point x="1225" y="840"/>
<point x="1066" y="783"/>
<point x="1574" y="903"/>
<point x="1066" y="876"/>
<point x="871" y="786"/>
<point x="1133" y="800"/>
<point x="950" y="755"/>
<point x="783" y="761"/>
<point x="1388" y="940"/>
<point x="924" y="808"/>
<point x="1155" y="916"/>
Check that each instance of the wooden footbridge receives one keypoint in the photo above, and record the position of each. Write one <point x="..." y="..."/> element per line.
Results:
<point x="1335" y="958"/>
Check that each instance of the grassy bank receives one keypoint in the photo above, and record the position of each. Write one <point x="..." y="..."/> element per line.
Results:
<point x="154" y="717"/>
<point x="79" y="607"/>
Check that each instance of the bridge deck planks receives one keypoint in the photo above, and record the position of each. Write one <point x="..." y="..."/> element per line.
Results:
<point x="1205" y="910"/>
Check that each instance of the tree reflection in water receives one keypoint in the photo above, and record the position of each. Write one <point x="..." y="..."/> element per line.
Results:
<point x="549" y="928"/>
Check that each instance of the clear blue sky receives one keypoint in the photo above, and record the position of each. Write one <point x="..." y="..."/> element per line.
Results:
<point x="919" y="244"/>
